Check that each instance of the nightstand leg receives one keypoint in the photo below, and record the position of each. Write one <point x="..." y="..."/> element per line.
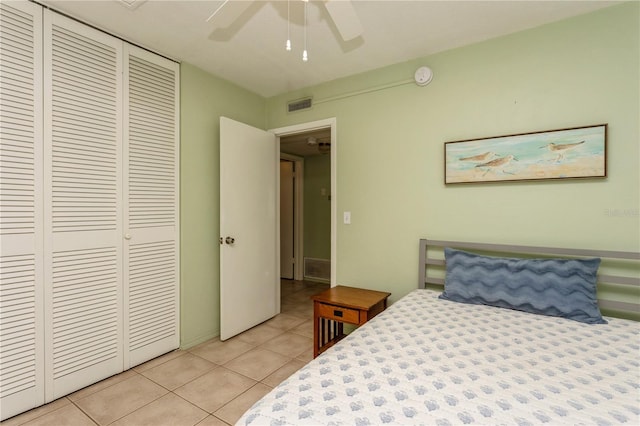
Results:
<point x="316" y="334"/>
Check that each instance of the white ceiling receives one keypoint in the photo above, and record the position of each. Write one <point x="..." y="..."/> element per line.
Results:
<point x="251" y="52"/>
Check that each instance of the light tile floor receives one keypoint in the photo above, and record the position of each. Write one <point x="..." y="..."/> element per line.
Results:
<point x="211" y="384"/>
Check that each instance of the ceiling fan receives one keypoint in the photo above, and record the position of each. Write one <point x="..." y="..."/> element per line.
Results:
<point x="323" y="146"/>
<point x="341" y="12"/>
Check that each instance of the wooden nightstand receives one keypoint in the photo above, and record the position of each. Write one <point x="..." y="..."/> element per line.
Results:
<point x="338" y="305"/>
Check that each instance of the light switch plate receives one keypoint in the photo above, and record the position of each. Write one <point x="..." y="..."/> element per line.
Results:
<point x="347" y="218"/>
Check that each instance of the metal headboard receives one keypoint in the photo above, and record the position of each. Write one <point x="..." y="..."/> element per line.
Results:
<point x="625" y="267"/>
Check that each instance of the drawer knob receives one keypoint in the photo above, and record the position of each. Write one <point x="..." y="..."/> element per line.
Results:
<point x="337" y="313"/>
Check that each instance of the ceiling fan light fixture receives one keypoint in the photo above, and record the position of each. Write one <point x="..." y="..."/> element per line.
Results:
<point x="324" y="146"/>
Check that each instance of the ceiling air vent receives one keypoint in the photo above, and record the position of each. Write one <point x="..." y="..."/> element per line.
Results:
<point x="299" y="105"/>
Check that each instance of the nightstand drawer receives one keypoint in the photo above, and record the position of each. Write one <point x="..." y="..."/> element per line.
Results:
<point x="341" y="305"/>
<point x="338" y="313"/>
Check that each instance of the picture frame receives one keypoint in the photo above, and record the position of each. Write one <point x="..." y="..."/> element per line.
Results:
<point x="572" y="153"/>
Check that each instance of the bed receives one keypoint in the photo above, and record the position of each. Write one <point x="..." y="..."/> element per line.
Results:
<point x="429" y="359"/>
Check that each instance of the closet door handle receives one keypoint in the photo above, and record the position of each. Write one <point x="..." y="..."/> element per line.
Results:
<point x="127" y="236"/>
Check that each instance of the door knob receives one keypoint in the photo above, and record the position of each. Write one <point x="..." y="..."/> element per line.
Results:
<point x="229" y="240"/>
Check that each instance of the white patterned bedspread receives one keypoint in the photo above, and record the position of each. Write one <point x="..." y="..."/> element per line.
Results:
<point x="434" y="362"/>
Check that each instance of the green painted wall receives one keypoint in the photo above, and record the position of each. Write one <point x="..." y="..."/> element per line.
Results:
<point x="390" y="144"/>
<point x="577" y="72"/>
<point x="317" y="207"/>
<point x="204" y="98"/>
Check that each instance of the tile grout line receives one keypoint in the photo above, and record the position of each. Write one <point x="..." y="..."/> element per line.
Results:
<point x="84" y="412"/>
<point x="238" y="396"/>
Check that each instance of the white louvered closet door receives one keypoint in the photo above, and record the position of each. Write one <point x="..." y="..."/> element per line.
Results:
<point x="21" y="252"/>
<point x="151" y="211"/>
<point x="83" y="205"/>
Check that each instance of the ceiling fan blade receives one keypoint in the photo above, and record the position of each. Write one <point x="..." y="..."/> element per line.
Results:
<point x="228" y="12"/>
<point x="345" y="18"/>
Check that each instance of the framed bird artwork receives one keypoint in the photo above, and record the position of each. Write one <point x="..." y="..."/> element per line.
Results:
<point x="578" y="152"/>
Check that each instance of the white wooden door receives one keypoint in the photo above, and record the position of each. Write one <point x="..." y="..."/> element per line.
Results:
<point x="83" y="205"/>
<point x="21" y="247"/>
<point x="287" y="234"/>
<point x="151" y="255"/>
<point x="249" y="228"/>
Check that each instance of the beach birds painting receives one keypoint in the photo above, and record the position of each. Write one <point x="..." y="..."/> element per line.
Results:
<point x="578" y="152"/>
<point x="561" y="148"/>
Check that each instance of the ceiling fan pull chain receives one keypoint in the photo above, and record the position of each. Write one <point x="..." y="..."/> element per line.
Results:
<point x="305" y="57"/>
<point x="288" y="45"/>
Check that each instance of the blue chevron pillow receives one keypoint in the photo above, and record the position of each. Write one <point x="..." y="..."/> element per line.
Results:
<point x="557" y="287"/>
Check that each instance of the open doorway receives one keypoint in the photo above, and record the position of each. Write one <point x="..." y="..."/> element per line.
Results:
<point x="305" y="205"/>
<point x="250" y="295"/>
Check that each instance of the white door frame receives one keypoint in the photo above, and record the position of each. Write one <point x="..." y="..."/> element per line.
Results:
<point x="298" y="214"/>
<point x="307" y="127"/>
